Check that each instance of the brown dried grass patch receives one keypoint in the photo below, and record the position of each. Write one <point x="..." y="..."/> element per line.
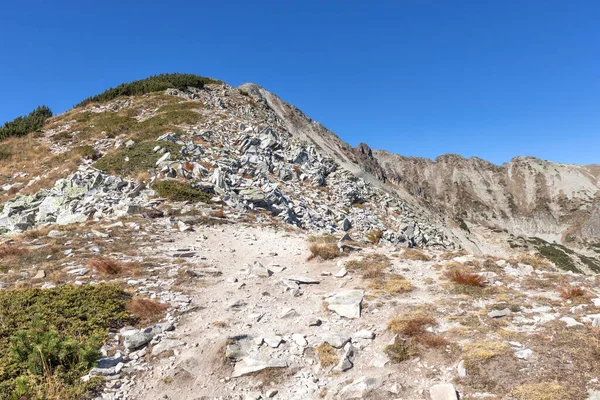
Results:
<point x="415" y="255"/>
<point x="12" y="250"/>
<point x="410" y="325"/>
<point x="146" y="310"/>
<point x="536" y="261"/>
<point x="324" y="251"/>
<point x="105" y="266"/>
<point x="327" y="354"/>
<point x="466" y="278"/>
<point x="572" y="292"/>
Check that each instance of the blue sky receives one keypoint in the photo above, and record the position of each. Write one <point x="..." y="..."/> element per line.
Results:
<point x="493" y="79"/>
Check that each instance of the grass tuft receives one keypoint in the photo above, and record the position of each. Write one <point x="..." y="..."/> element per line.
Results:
<point x="410" y="325"/>
<point x="327" y="355"/>
<point x="415" y="255"/>
<point x="105" y="266"/>
<point x="572" y="292"/>
<point x="324" y="251"/>
<point x="146" y="310"/>
<point x="466" y="278"/>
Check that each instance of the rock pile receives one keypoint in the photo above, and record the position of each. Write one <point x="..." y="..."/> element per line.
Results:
<point x="86" y="194"/>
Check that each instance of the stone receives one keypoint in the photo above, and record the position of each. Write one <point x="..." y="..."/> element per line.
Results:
<point x="274" y="341"/>
<point x="499" y="313"/>
<point x="250" y="365"/>
<point x="571" y="322"/>
<point x="289" y="313"/>
<point x="290" y="284"/>
<point x="41" y="274"/>
<point x="302" y="279"/>
<point x="346" y="361"/>
<point x="346" y="303"/>
<point x="341" y="273"/>
<point x="460" y="368"/>
<point x="443" y="391"/>
<point x="360" y="388"/>
<point x="346" y="225"/>
<point x="299" y="339"/>
<point x="523" y="354"/>
<point x="56" y="234"/>
<point x="142" y="337"/>
<point x="364" y="334"/>
<point x="336" y="340"/>
<point x="166" y="345"/>
<point x="257" y="269"/>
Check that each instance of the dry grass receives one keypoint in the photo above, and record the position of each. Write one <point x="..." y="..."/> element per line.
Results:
<point x="483" y="351"/>
<point x="218" y="213"/>
<point x="449" y="255"/>
<point x="12" y="250"/>
<point x="105" y="266"/>
<point x="397" y="284"/>
<point x="398" y="351"/>
<point x="410" y="325"/>
<point x="466" y="278"/>
<point x="372" y="266"/>
<point x="323" y="239"/>
<point x="327" y="355"/>
<point x="535" y="261"/>
<point x="430" y="340"/>
<point x="324" y="251"/>
<point x="374" y="236"/>
<point x="572" y="292"/>
<point x="415" y="255"/>
<point x="542" y="391"/>
<point x="37" y="233"/>
<point x="146" y="310"/>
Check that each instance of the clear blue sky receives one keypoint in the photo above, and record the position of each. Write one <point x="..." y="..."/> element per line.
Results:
<point x="495" y="79"/>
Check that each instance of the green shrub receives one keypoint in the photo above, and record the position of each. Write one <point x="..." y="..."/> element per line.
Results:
<point x="42" y="349"/>
<point x="151" y="84"/>
<point x="21" y="126"/>
<point x="49" y="338"/>
<point x="180" y="191"/>
<point x="142" y="157"/>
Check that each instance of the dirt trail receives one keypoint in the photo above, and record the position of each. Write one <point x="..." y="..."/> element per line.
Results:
<point x="198" y="369"/>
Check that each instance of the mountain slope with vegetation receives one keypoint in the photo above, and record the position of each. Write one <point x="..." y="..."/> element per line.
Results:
<point x="180" y="237"/>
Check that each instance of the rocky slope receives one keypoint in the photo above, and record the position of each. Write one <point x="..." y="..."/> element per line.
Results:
<point x="527" y="196"/>
<point x="282" y="264"/>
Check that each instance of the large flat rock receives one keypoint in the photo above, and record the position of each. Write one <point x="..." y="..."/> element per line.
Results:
<point x="346" y="303"/>
<point x="250" y="365"/>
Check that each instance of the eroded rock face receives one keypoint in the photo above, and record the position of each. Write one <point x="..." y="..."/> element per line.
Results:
<point x="527" y="196"/>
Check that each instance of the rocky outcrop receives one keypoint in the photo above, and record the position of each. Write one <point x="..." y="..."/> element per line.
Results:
<point x="87" y="194"/>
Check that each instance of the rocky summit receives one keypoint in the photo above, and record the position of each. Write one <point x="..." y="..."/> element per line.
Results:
<point x="202" y="241"/>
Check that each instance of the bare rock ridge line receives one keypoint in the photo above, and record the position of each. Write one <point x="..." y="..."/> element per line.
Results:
<point x="525" y="197"/>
